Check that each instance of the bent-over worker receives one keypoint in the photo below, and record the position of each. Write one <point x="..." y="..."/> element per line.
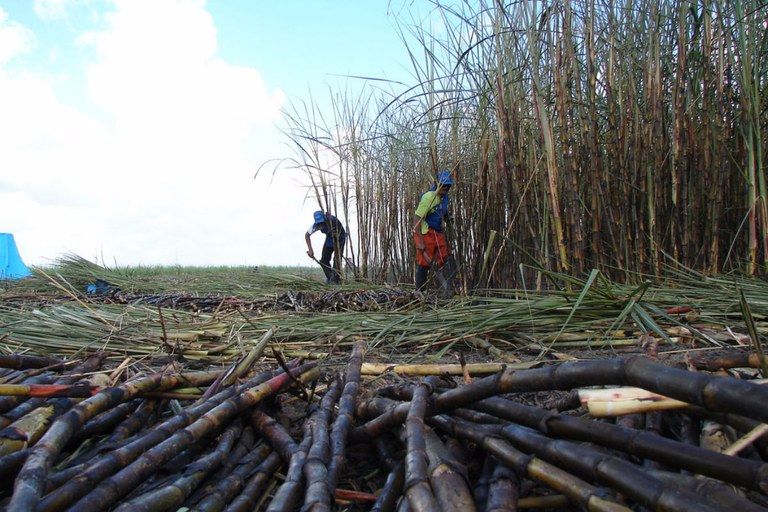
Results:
<point x="335" y="237"/>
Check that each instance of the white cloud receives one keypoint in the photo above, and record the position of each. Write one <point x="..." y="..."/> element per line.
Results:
<point x="15" y="39"/>
<point x="159" y="168"/>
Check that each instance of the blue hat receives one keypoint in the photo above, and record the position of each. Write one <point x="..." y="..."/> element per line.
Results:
<point x="444" y="178"/>
<point x="319" y="217"/>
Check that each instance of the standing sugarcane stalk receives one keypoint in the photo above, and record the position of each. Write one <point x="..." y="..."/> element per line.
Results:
<point x="107" y="465"/>
<point x="577" y="490"/>
<point x="174" y="493"/>
<point x="417" y="488"/>
<point x="343" y="422"/>
<point x="125" y="480"/>
<point x="317" y="496"/>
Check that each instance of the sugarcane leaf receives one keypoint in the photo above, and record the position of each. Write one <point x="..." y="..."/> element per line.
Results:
<point x="752" y="330"/>
<point x="592" y="276"/>
<point x="619" y="321"/>
<point x="650" y="323"/>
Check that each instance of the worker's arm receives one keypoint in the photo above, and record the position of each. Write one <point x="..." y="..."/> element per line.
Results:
<point x="310" y="252"/>
<point x="418" y="238"/>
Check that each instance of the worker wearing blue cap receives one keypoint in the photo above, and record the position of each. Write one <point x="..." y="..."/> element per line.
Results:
<point x="431" y="245"/>
<point x="335" y="237"/>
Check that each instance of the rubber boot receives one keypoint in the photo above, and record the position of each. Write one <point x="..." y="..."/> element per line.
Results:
<point x="421" y="277"/>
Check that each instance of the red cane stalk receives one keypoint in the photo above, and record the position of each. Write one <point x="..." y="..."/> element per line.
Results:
<point x="25" y="431"/>
<point x="8" y="403"/>
<point x="30" y="483"/>
<point x="91" y="364"/>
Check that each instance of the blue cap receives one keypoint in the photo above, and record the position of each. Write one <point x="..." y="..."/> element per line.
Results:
<point x="319" y="217"/>
<point x="444" y="178"/>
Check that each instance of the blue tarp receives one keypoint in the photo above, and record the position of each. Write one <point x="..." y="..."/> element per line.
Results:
<point x="11" y="266"/>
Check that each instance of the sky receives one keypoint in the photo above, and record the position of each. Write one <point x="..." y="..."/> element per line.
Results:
<point x="131" y="130"/>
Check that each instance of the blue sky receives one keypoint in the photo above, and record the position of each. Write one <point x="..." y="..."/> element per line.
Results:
<point x="131" y="129"/>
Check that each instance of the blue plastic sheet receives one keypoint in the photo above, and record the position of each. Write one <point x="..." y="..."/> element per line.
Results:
<point x="11" y="266"/>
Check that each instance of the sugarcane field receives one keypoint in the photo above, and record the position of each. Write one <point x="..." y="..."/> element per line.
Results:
<point x="533" y="279"/>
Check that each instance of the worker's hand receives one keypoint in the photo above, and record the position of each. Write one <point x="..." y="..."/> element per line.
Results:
<point x="311" y="253"/>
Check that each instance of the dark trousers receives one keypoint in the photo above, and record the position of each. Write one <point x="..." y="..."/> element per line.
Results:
<point x="332" y="273"/>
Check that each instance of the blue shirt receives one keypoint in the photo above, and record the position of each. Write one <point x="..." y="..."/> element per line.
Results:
<point x="434" y="218"/>
<point x="336" y="229"/>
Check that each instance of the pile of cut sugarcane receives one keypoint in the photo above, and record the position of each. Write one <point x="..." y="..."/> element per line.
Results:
<point x="384" y="299"/>
<point x="296" y="436"/>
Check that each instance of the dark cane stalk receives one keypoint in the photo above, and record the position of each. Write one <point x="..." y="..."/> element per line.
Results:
<point x="317" y="497"/>
<point x="174" y="493"/>
<point x="343" y="423"/>
<point x="417" y="488"/>
<point x="121" y="483"/>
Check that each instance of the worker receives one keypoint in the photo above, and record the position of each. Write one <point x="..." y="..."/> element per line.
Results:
<point x="432" y="212"/>
<point x="335" y="237"/>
